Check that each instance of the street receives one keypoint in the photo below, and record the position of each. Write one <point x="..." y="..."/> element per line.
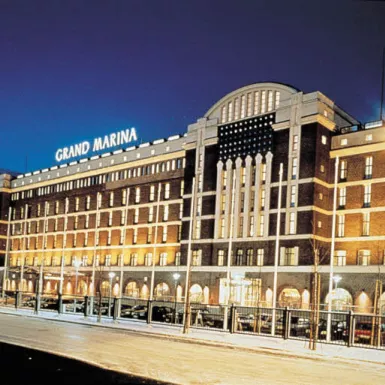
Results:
<point x="180" y="362"/>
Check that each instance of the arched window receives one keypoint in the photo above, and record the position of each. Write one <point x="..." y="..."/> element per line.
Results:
<point x="105" y="289"/>
<point x="196" y="293"/>
<point x="341" y="299"/>
<point x="289" y="297"/>
<point x="162" y="291"/>
<point x="131" y="290"/>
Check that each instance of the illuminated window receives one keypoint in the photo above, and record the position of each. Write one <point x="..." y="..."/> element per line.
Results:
<point x="320" y="196"/>
<point x="249" y="257"/>
<point x="339" y="258"/>
<point x="197" y="258"/>
<point x="293" y="192"/>
<point x="294" y="168"/>
<point x="76" y="222"/>
<point x="249" y="104"/>
<point x="263" y="102"/>
<point x="85" y="261"/>
<point x="181" y="188"/>
<point x="251" y="229"/>
<point x="137" y="194"/>
<point x="136" y="215"/>
<point x="342" y="197"/>
<point x="270" y="101"/>
<point x="124" y="196"/>
<point x="134" y="259"/>
<point x="180" y="210"/>
<point x="163" y="259"/>
<point x="221" y="256"/>
<point x="324" y="139"/>
<point x="236" y="109"/>
<point x="322" y="168"/>
<point x="177" y="258"/>
<point x="261" y="225"/>
<point x="243" y="106"/>
<point x="343" y="169"/>
<point x="289" y="256"/>
<point x="368" y="167"/>
<point x="264" y="172"/>
<point x="99" y="201"/>
<point x="77" y="201"/>
<point x="110" y="219"/>
<point x="135" y="236"/>
<point x="167" y="191"/>
<point x="319" y="224"/>
<point x="57" y="207"/>
<point x="367" y="195"/>
<point x="222" y="229"/>
<point x="224" y="179"/>
<point x="260" y="257"/>
<point x="109" y="238"/>
<point x="152" y="193"/>
<point x="164" y="234"/>
<point x="277" y="99"/>
<point x="197" y="229"/>
<point x="263" y="193"/>
<point x="123" y="217"/>
<point x="292" y="225"/>
<point x="344" y="142"/>
<point x="149" y="235"/>
<point x="199" y="206"/>
<point x="111" y="200"/>
<point x="87" y="222"/>
<point x="107" y="260"/>
<point x="230" y="112"/>
<point x="122" y="236"/>
<point x="365" y="224"/>
<point x="150" y="214"/>
<point x="148" y="259"/>
<point x="256" y="102"/>
<point x="224" y="114"/>
<point x="341" y="226"/>
<point x="165" y="212"/>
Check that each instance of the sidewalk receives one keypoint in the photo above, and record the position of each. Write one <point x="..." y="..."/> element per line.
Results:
<point x="264" y="344"/>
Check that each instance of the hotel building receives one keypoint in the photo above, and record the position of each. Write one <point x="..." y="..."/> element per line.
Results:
<point x="209" y="199"/>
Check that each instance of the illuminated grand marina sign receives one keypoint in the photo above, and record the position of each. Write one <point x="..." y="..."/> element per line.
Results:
<point x="98" y="144"/>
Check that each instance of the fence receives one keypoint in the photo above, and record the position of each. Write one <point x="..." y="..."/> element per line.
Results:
<point x="346" y="328"/>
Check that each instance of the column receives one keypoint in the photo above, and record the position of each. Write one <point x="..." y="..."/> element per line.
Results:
<point x="257" y="192"/>
<point x="229" y="188"/>
<point x="269" y="158"/>
<point x="237" y="198"/>
<point x="248" y="192"/>
<point x="218" y="200"/>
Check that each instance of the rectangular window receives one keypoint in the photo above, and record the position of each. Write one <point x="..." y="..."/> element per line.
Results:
<point x="263" y="193"/>
<point x="342" y="197"/>
<point x="177" y="258"/>
<point x="76" y="222"/>
<point x="289" y="256"/>
<point x="230" y="112"/>
<point x="165" y="212"/>
<point x="339" y="258"/>
<point x="197" y="229"/>
<point x="243" y="176"/>
<point x="164" y="234"/>
<point x="239" y="257"/>
<point x="264" y="172"/>
<point x="263" y="102"/>
<point x="163" y="259"/>
<point x="249" y="104"/>
<point x="167" y="191"/>
<point x="136" y="215"/>
<point x="236" y="108"/>
<point x="110" y="219"/>
<point x="197" y="258"/>
<point x="133" y="259"/>
<point x="261" y="225"/>
<point x="148" y="259"/>
<point x="137" y="194"/>
<point x="107" y="261"/>
<point x="85" y="239"/>
<point x="87" y="222"/>
<point x="363" y="257"/>
<point x="85" y="261"/>
<point x="199" y="206"/>
<point x="77" y="202"/>
<point x="341" y="226"/>
<point x="251" y="230"/>
<point x="109" y="238"/>
<point x="111" y="200"/>
<point x="224" y="179"/>
<point x="324" y="139"/>
<point x="294" y="168"/>
<point x="123" y="217"/>
<point x="180" y="210"/>
<point x="222" y="230"/>
<point x="57" y="207"/>
<point x="152" y="193"/>
<point x="221" y="257"/>
<point x="99" y="201"/>
<point x="367" y="195"/>
<point x="243" y="106"/>
<point x="135" y="236"/>
<point x="365" y="224"/>
<point x="249" y="257"/>
<point x="181" y="188"/>
<point x="270" y="101"/>
<point x="124" y="197"/>
<point x="256" y="102"/>
<point x="343" y="170"/>
<point x="295" y="142"/>
<point x="260" y="257"/>
<point x="293" y="192"/>
<point x="200" y="182"/>
<point x="292" y="224"/>
<point x="149" y="235"/>
<point x="277" y="98"/>
<point x="122" y="236"/>
<point x="150" y="214"/>
<point x="223" y="203"/>
<point x="368" y="167"/>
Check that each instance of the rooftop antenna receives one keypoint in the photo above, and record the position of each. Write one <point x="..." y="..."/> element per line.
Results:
<point x="382" y="84"/>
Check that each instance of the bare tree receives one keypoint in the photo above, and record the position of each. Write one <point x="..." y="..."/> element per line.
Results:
<point x="320" y="254"/>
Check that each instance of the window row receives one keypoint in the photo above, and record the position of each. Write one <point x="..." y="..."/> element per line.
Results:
<point x="152" y="169"/>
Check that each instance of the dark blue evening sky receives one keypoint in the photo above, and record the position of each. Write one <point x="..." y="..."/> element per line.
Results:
<point x="73" y="70"/>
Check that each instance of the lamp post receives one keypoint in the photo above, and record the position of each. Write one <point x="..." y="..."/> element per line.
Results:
<point x="77" y="264"/>
<point x="110" y="275"/>
<point x="336" y="279"/>
<point x="176" y="277"/>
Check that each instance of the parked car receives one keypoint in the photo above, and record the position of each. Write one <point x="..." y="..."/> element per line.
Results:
<point x="124" y="310"/>
<point x="363" y="331"/>
<point x="48" y="303"/>
<point x="28" y="302"/>
<point x="339" y="330"/>
<point x="246" y="322"/>
<point x="70" y="306"/>
<point x="103" y="308"/>
<point x="162" y="313"/>
<point x="136" y="312"/>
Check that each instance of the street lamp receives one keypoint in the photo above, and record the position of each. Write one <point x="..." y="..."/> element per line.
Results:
<point x="110" y="275"/>
<point x="176" y="277"/>
<point x="336" y="279"/>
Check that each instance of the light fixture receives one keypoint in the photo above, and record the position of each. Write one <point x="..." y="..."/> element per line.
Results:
<point x="111" y="274"/>
<point x="176" y="276"/>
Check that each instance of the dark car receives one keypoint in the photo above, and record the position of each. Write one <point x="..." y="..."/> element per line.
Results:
<point x="48" y="303"/>
<point x="162" y="313"/>
<point x="339" y="330"/>
<point x="136" y="312"/>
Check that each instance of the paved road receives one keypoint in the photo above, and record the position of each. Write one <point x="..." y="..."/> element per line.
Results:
<point x="178" y="361"/>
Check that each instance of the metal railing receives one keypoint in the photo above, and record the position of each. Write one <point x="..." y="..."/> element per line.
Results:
<point x="347" y="328"/>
